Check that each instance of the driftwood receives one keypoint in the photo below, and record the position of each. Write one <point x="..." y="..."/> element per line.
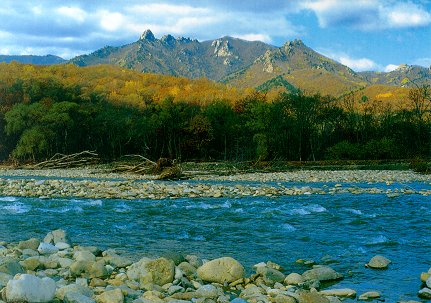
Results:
<point x="68" y="161"/>
<point x="165" y="168"/>
<point x="144" y="166"/>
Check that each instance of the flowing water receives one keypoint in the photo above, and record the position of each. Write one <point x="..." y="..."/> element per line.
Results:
<point x="345" y="230"/>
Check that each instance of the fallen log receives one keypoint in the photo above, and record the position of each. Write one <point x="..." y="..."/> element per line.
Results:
<point x="80" y="159"/>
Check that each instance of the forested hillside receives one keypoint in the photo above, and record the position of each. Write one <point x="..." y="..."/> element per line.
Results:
<point x="114" y="111"/>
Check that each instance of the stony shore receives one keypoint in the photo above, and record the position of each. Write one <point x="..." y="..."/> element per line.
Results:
<point x="98" y="183"/>
<point x="53" y="269"/>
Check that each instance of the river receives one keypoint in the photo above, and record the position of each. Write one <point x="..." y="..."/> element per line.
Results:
<point x="342" y="230"/>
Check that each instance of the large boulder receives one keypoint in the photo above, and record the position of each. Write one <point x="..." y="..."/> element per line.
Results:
<point x="84" y="256"/>
<point x="32" y="244"/>
<point x="378" y="262"/>
<point x="29" y="288"/>
<point x="270" y="275"/>
<point x="112" y="296"/>
<point x="73" y="288"/>
<point x="31" y="263"/>
<point x="321" y="273"/>
<point x="74" y="297"/>
<point x="147" y="271"/>
<point x="56" y="236"/>
<point x="10" y="266"/>
<point x="339" y="292"/>
<point x="47" y="249"/>
<point x="221" y="270"/>
<point x="4" y="278"/>
<point x="311" y="297"/>
<point x="293" y="279"/>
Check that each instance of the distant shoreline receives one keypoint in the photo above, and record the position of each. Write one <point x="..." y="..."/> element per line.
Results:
<point x="100" y="183"/>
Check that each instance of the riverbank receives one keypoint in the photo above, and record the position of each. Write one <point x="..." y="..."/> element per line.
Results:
<point x="102" y="183"/>
<point x="56" y="270"/>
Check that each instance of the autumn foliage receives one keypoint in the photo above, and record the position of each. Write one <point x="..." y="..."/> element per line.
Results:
<point x="113" y="111"/>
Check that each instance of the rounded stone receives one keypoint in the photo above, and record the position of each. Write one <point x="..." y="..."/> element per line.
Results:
<point x="293" y="279"/>
<point x="378" y="262"/>
<point x="221" y="270"/>
<point x="29" y="288"/>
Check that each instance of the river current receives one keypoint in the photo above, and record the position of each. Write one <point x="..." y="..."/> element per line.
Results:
<point x="342" y="230"/>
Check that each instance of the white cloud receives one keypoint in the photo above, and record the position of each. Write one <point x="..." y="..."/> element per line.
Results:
<point x="167" y="9"/>
<point x="254" y="37"/>
<point x="74" y="13"/>
<point x="407" y="15"/>
<point x="390" y="67"/>
<point x="359" y="65"/>
<point x="368" y="14"/>
<point x="37" y="10"/>
<point x="111" y="21"/>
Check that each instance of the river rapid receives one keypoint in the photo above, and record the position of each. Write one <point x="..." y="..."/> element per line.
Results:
<point x="343" y="230"/>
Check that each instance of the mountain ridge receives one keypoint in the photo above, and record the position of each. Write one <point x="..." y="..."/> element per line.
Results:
<point x="33" y="59"/>
<point x="248" y="64"/>
<point x="245" y="64"/>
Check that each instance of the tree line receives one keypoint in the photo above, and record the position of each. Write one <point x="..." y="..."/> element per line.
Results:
<point x="42" y="116"/>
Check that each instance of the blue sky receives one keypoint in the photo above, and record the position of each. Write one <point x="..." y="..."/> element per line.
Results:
<point x="362" y="34"/>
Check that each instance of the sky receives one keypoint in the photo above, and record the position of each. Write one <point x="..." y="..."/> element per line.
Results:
<point x="374" y="35"/>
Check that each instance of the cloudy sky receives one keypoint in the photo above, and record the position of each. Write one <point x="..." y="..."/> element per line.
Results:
<point x="362" y="34"/>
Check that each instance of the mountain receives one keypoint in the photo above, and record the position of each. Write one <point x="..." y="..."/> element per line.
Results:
<point x="300" y="66"/>
<point x="255" y="64"/>
<point x="404" y="75"/>
<point x="179" y="56"/>
<point x="30" y="59"/>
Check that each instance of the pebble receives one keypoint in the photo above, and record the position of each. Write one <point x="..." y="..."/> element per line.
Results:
<point x="84" y="278"/>
<point x="93" y="183"/>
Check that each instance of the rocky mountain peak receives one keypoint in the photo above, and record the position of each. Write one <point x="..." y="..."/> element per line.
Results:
<point x="168" y="39"/>
<point x="296" y="42"/>
<point x="222" y="48"/>
<point x="148" y="35"/>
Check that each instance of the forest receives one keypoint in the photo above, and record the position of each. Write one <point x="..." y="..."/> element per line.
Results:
<point x="67" y="109"/>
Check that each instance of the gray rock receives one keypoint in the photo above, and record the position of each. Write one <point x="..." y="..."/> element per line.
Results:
<point x="62" y="245"/>
<point x="207" y="291"/>
<point x="311" y="297"/>
<point x="10" y="266"/>
<point x="188" y="269"/>
<point x="281" y="298"/>
<point x="98" y="270"/>
<point x="378" y="262"/>
<point x="369" y="295"/>
<point x="47" y="249"/>
<point x="270" y="275"/>
<point x="29" y="288"/>
<point x="425" y="293"/>
<point x="195" y="261"/>
<point x="147" y="271"/>
<point x="79" y="267"/>
<point x="73" y="288"/>
<point x="4" y="278"/>
<point x="221" y="270"/>
<point x="32" y="243"/>
<point x="293" y="279"/>
<point x="118" y="261"/>
<point x="111" y="296"/>
<point x="321" y="273"/>
<point x="84" y="256"/>
<point x="74" y="297"/>
<point x="428" y="282"/>
<point x="30" y="252"/>
<point x="339" y="292"/>
<point x="30" y="263"/>
<point x="56" y="236"/>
